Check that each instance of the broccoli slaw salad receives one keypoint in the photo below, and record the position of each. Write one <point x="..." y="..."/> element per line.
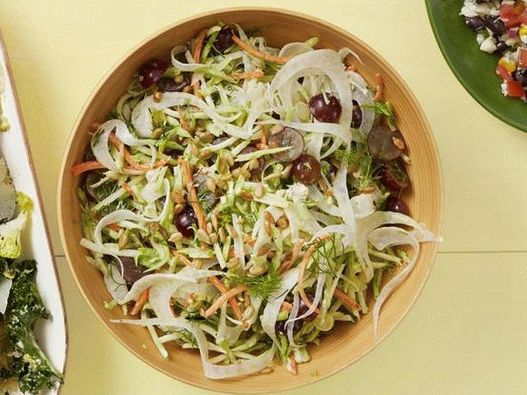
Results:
<point x="241" y="199"/>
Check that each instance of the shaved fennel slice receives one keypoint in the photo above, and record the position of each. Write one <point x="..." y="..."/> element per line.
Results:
<point x="100" y="147"/>
<point x="317" y="127"/>
<point x="343" y="52"/>
<point x="392" y="236"/>
<point x="227" y="333"/>
<point x="272" y="308"/>
<point x="321" y="279"/>
<point x="364" y="97"/>
<point x="107" y="249"/>
<point x="316" y="196"/>
<point x="340" y="191"/>
<point x="329" y="63"/>
<point x="142" y="120"/>
<point x="314" y="145"/>
<point x="159" y="297"/>
<point x="363" y="205"/>
<point x="211" y="370"/>
<point x="115" y="283"/>
<point x="293" y="49"/>
<point x="238" y="241"/>
<point x="185" y="275"/>
<point x="187" y="67"/>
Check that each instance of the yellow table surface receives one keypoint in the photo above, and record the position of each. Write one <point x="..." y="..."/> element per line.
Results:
<point x="466" y="333"/>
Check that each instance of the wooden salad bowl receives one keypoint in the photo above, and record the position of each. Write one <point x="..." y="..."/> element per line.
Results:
<point x="346" y="343"/>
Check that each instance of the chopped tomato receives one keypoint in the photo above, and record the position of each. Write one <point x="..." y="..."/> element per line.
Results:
<point x="513" y="21"/>
<point x="522" y="57"/>
<point x="515" y="89"/>
<point x="504" y="74"/>
<point x="507" y="11"/>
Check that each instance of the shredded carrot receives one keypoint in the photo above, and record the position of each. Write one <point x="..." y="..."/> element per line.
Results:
<point x="379" y="94"/>
<point x="196" y="206"/>
<point x="198" y="46"/>
<point x="114" y="227"/>
<point x="114" y="140"/>
<point x="141" y="301"/>
<point x="303" y="265"/>
<point x="286" y="306"/>
<point x="224" y="298"/>
<point x="294" y="255"/>
<point x="253" y="51"/>
<point x="232" y="301"/>
<point x="86" y="166"/>
<point x="346" y="300"/>
<point x="248" y="76"/>
<point x="127" y="188"/>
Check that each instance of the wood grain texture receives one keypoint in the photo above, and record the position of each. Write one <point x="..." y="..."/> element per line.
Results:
<point x="346" y="343"/>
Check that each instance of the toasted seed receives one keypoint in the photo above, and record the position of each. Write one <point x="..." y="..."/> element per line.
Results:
<point x="246" y="325"/>
<point x="213" y="238"/>
<point x="221" y="235"/>
<point x="291" y="366"/>
<point x="271" y="254"/>
<point x="158" y="96"/>
<point x="232" y="233"/>
<point x="399" y="143"/>
<point x="197" y="263"/>
<point x="123" y="240"/>
<point x="272" y="176"/>
<point x="368" y="189"/>
<point x="175" y="237"/>
<point x="203" y="236"/>
<point x="267" y="227"/>
<point x="263" y="250"/>
<point x="209" y="228"/>
<point x="211" y="184"/>
<point x="282" y="222"/>
<point x="259" y="190"/>
<point x="269" y="217"/>
<point x="261" y="146"/>
<point x="178" y="208"/>
<point x="233" y="262"/>
<point x="257" y="270"/>
<point x="177" y="197"/>
<point x="287" y="170"/>
<point x="246" y="195"/>
<point x="156" y="133"/>
<point x="214" y="221"/>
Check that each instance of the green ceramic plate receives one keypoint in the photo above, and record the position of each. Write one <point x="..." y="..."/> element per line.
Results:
<point x="473" y="68"/>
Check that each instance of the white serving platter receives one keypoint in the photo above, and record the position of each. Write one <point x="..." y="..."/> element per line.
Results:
<point x="51" y="334"/>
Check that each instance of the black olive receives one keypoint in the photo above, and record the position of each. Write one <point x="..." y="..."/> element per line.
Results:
<point x="495" y="25"/>
<point x="520" y="75"/>
<point x="167" y="84"/>
<point x="501" y="47"/>
<point x="476" y="23"/>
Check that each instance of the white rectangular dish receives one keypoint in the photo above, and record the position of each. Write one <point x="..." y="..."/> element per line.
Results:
<point x="51" y="334"/>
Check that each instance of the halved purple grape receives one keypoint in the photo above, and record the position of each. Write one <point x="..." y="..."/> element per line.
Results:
<point x="167" y="84"/>
<point x="476" y="23"/>
<point x="130" y="271"/>
<point x="393" y="203"/>
<point x="356" y="115"/>
<point x="151" y="72"/>
<point x="288" y="137"/>
<point x="382" y="143"/>
<point x="325" y="111"/>
<point x="184" y="221"/>
<point x="223" y="39"/>
<point x="306" y="169"/>
<point x="281" y="328"/>
<point x="393" y="176"/>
